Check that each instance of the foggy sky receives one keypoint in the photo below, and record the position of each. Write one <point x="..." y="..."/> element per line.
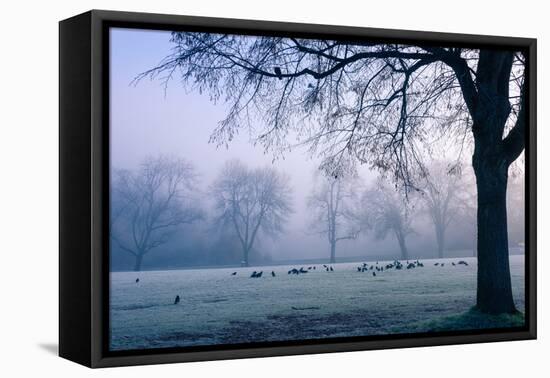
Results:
<point x="146" y="120"/>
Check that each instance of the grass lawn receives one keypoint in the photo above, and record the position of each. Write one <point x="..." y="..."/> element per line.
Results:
<point x="472" y="319"/>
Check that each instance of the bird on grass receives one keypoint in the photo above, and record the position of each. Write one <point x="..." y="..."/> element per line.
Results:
<point x="177" y="300"/>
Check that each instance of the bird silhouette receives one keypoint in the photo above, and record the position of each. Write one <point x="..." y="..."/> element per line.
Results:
<point x="278" y="73"/>
<point x="374" y="274"/>
<point x="137" y="280"/>
<point x="234" y="273"/>
<point x="331" y="269"/>
<point x="272" y="273"/>
<point x="177" y="300"/>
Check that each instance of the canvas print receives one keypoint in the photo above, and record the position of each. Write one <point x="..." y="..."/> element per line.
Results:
<point x="276" y="189"/>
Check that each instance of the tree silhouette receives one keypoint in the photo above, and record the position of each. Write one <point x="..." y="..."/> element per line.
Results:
<point x="385" y="210"/>
<point x="148" y="205"/>
<point x="372" y="103"/>
<point x="332" y="205"/>
<point x="250" y="201"/>
<point x="441" y="197"/>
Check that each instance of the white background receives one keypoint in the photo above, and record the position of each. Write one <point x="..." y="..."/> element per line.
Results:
<point x="29" y="187"/>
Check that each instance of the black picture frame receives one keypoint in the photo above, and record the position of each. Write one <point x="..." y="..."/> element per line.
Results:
<point x="84" y="189"/>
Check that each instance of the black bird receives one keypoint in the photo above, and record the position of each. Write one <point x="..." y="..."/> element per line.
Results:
<point x="259" y="274"/>
<point x="308" y="268"/>
<point x="177" y="300"/>
<point x="137" y="280"/>
<point x="278" y="73"/>
<point x="314" y="268"/>
<point x="254" y="274"/>
<point x="436" y="264"/>
<point x="453" y="263"/>
<point x="359" y="269"/>
<point x="332" y="270"/>
<point x="442" y="264"/>
<point x="302" y="270"/>
<point x="462" y="262"/>
<point x="374" y="274"/>
<point x="234" y="273"/>
<point x="325" y="266"/>
<point x="272" y="273"/>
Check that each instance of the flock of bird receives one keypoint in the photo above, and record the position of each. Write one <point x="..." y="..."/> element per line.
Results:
<point x="302" y="270"/>
<point x="373" y="268"/>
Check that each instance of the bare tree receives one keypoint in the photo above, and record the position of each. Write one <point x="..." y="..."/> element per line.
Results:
<point x="250" y="201"/>
<point x="384" y="211"/>
<point x="441" y="197"/>
<point x="332" y="204"/>
<point x="373" y="103"/>
<point x="516" y="209"/>
<point x="149" y="204"/>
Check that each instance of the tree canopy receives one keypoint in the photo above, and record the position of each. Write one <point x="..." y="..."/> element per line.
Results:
<point x="348" y="102"/>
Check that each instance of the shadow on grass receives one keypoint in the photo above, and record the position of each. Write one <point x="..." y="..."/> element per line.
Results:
<point x="472" y="319"/>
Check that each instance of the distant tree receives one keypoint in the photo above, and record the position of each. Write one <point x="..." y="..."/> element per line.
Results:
<point x="374" y="103"/>
<point x="332" y="205"/>
<point x="149" y="204"/>
<point x="386" y="211"/>
<point x="251" y="201"/>
<point x="441" y="197"/>
<point x="516" y="209"/>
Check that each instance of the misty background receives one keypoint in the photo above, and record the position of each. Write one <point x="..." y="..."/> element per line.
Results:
<point x="149" y="120"/>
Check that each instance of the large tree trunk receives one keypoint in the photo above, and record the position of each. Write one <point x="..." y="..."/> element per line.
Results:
<point x="333" y="252"/>
<point x="139" y="259"/>
<point x="492" y="157"/>
<point x="494" y="287"/>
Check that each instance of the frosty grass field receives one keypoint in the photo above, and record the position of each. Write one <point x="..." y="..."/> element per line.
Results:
<point x="218" y="308"/>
